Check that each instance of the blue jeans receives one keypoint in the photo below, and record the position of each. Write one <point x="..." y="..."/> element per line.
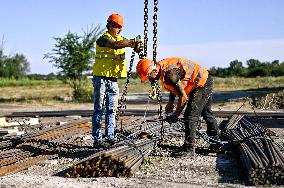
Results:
<point x="106" y="93"/>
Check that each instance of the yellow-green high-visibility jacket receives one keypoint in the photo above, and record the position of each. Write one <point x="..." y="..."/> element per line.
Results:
<point x="110" y="62"/>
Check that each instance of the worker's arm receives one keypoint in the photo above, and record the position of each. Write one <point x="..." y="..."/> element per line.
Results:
<point x="170" y="105"/>
<point x="107" y="42"/>
<point x="182" y="98"/>
<point x="173" y="77"/>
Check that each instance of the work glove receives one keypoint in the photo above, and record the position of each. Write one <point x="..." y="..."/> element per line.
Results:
<point x="172" y="118"/>
<point x="169" y="108"/>
<point x="138" y="44"/>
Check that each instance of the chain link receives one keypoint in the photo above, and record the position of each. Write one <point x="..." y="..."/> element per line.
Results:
<point x="122" y="102"/>
<point x="155" y="31"/>
<point x="142" y="54"/>
<point x="145" y="28"/>
<point x="158" y="89"/>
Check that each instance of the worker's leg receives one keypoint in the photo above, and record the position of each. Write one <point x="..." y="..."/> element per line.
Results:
<point x="211" y="122"/>
<point x="112" y="92"/>
<point x="99" y="94"/>
<point x="192" y="116"/>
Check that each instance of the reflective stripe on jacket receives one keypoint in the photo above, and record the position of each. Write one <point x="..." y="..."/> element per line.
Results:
<point x="195" y="75"/>
<point x="110" y="62"/>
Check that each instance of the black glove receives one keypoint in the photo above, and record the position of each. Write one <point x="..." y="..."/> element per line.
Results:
<point x="172" y="118"/>
<point x="138" y="44"/>
<point x="169" y="108"/>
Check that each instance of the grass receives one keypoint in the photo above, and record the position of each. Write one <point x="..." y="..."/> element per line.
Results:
<point x="43" y="91"/>
<point x="29" y="91"/>
<point x="5" y="82"/>
<point x="235" y="83"/>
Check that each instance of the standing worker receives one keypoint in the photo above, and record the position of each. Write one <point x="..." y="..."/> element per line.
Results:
<point x="193" y="85"/>
<point x="110" y="64"/>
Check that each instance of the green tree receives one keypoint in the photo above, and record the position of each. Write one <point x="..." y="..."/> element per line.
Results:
<point x="236" y="68"/>
<point x="18" y="66"/>
<point x="253" y="63"/>
<point x="72" y="54"/>
<point x="277" y="68"/>
<point x="13" y="67"/>
<point x="213" y="71"/>
<point x="2" y="63"/>
<point x="255" y="68"/>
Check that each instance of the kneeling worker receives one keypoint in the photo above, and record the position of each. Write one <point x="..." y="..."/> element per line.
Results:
<point x="193" y="85"/>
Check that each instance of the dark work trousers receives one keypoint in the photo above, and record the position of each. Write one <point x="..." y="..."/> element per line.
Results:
<point x="199" y="104"/>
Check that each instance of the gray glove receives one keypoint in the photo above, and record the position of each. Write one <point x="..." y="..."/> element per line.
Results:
<point x="138" y="44"/>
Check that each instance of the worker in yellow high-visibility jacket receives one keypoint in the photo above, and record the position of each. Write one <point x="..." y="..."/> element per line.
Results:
<point x="110" y="64"/>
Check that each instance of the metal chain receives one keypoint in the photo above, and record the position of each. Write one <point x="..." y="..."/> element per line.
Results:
<point x="155" y="38"/>
<point x="122" y="102"/>
<point x="145" y="28"/>
<point x="158" y="89"/>
<point x="155" y="32"/>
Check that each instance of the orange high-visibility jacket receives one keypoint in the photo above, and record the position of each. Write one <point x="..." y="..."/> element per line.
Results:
<point x="195" y="75"/>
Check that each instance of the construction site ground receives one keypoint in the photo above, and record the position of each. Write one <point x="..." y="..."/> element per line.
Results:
<point x="160" y="169"/>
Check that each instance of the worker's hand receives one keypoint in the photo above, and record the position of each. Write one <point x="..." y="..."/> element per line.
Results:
<point x="138" y="44"/>
<point x="172" y="118"/>
<point x="169" y="108"/>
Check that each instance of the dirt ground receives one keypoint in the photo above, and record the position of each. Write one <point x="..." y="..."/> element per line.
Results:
<point x="160" y="169"/>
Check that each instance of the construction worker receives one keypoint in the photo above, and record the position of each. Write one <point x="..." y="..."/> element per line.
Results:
<point x="110" y="64"/>
<point x="193" y="85"/>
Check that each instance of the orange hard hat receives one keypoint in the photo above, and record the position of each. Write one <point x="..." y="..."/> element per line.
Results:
<point x="143" y="68"/>
<point x="116" y="18"/>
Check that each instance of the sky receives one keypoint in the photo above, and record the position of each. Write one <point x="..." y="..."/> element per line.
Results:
<point x="211" y="32"/>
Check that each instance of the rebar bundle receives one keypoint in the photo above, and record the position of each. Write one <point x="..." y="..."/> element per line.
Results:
<point x="261" y="158"/>
<point x="138" y="128"/>
<point x="122" y="161"/>
<point x="50" y="133"/>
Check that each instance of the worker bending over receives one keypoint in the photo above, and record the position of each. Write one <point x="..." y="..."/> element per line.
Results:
<point x="193" y="85"/>
<point x="110" y="64"/>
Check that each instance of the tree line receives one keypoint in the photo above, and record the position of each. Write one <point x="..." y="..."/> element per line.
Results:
<point x="254" y="68"/>
<point x="17" y="66"/>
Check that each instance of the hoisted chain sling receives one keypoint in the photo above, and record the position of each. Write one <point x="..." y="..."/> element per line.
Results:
<point x="122" y="102"/>
<point x="156" y="91"/>
<point x="155" y="86"/>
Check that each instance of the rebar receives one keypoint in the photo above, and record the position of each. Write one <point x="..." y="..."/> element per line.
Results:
<point x="261" y="159"/>
<point x="118" y="162"/>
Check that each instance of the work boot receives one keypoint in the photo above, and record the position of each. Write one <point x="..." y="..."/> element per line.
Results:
<point x="184" y="151"/>
<point x="190" y="152"/>
<point x="190" y="149"/>
<point x="98" y="145"/>
<point x="109" y="143"/>
<point x="212" y="133"/>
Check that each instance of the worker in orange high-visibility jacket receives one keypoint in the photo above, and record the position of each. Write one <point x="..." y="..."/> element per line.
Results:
<point x="193" y="85"/>
<point x="109" y="65"/>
